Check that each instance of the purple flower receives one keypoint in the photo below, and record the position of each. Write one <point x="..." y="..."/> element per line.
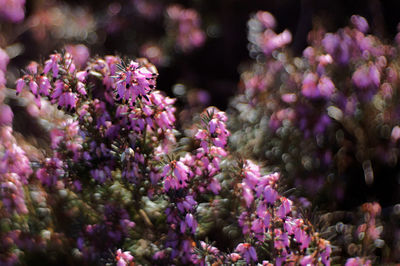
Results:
<point x="123" y="258"/>
<point x="247" y="195"/>
<point x="12" y="10"/>
<point x="326" y="87"/>
<point x="185" y="25"/>
<point x="79" y="52"/>
<point x="309" y="88"/>
<point x="366" y="76"/>
<point x="191" y="222"/>
<point x="359" y="23"/>
<point x="357" y="261"/>
<point x="285" y="207"/>
<point x="6" y="115"/>
<point x="306" y="260"/>
<point x="302" y="237"/>
<point x="270" y="195"/>
<point x="247" y="251"/>
<point x="267" y="19"/>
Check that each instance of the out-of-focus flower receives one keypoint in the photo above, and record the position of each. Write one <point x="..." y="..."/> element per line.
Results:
<point x="185" y="25"/>
<point x="360" y="23"/>
<point x="79" y="52"/>
<point x="12" y="10"/>
<point x="358" y="262"/>
<point x="123" y="258"/>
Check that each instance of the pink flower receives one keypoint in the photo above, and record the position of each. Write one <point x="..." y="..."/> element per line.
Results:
<point x="234" y="257"/>
<point x="247" y="251"/>
<point x="359" y="23"/>
<point x="44" y="85"/>
<point x="302" y="237"/>
<point x="20" y="83"/>
<point x="123" y="258"/>
<point x="247" y="195"/>
<point x="266" y="18"/>
<point x="270" y="194"/>
<point x="52" y="64"/>
<point x="79" y="52"/>
<point x="307" y="260"/>
<point x="357" y="261"/>
<point x="6" y="115"/>
<point x="309" y="88"/>
<point x="214" y="186"/>
<point x="12" y="10"/>
<point x="326" y="87"/>
<point x="366" y="76"/>
<point x="285" y="207"/>
<point x="190" y="222"/>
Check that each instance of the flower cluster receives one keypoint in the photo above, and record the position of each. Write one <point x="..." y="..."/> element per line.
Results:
<point x="269" y="218"/>
<point x="58" y="80"/>
<point x="185" y="25"/>
<point x="323" y="113"/>
<point x="262" y="36"/>
<point x="119" y="181"/>
<point x="188" y="179"/>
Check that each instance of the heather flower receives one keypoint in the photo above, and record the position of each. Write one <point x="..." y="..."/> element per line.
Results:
<point x="247" y="251"/>
<point x="366" y="76"/>
<point x="247" y="195"/>
<point x="314" y="87"/>
<point x="52" y="65"/>
<point x="4" y="60"/>
<point x="307" y="260"/>
<point x="6" y="115"/>
<point x="233" y="257"/>
<point x="119" y="134"/>
<point x="185" y="25"/>
<point x="176" y="174"/>
<point x="326" y="87"/>
<point x="271" y="41"/>
<point x="395" y="135"/>
<point x="79" y="52"/>
<point x="357" y="262"/>
<point x="12" y="193"/>
<point x="266" y="18"/>
<point x="14" y="160"/>
<point x="123" y="258"/>
<point x="12" y="10"/>
<point x="302" y="237"/>
<point x="134" y="81"/>
<point x="51" y="171"/>
<point x="360" y="23"/>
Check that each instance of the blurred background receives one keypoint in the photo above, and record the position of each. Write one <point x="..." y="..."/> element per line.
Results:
<point x="135" y="28"/>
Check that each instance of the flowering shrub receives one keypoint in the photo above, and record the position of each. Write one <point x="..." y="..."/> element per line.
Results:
<point x="98" y="166"/>
<point x="327" y="115"/>
<point x="113" y="150"/>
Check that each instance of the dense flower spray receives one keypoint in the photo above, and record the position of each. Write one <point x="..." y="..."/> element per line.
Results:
<point x="116" y="146"/>
<point x="120" y="183"/>
<point x="320" y="110"/>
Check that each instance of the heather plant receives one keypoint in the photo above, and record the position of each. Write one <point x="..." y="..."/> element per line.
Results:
<point x="100" y="167"/>
<point x="123" y="180"/>
<point x="327" y="119"/>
